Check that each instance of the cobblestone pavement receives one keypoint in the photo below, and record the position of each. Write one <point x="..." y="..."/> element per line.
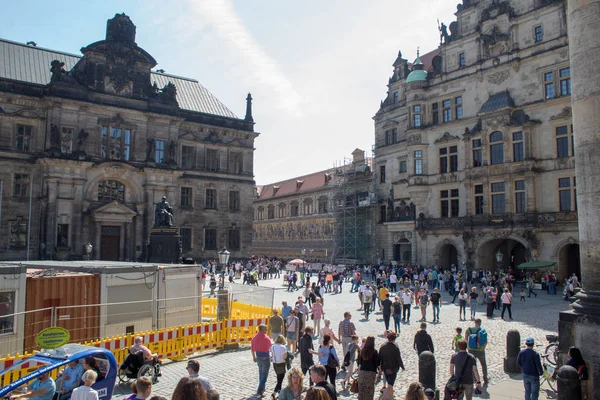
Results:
<point x="235" y="376"/>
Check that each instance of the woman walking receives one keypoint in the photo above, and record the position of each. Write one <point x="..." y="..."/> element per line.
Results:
<point x="325" y="351"/>
<point x="397" y="313"/>
<point x="462" y="304"/>
<point x="292" y="325"/>
<point x="369" y="362"/>
<point x="317" y="315"/>
<point x="279" y="351"/>
<point x="473" y="301"/>
<point x="507" y="303"/>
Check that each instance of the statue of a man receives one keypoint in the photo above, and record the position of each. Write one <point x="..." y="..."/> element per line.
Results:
<point x="163" y="214"/>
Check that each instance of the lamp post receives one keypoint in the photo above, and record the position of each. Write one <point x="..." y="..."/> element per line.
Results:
<point x="303" y="252"/>
<point x="499" y="257"/>
<point x="222" y="294"/>
<point x="88" y="250"/>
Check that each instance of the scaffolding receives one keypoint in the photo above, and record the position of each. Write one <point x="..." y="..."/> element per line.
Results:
<point x="354" y="209"/>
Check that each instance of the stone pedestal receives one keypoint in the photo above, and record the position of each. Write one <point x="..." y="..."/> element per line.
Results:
<point x="513" y="346"/>
<point x="164" y="245"/>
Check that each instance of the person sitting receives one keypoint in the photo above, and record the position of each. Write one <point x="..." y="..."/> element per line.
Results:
<point x="69" y="379"/>
<point x="42" y="389"/>
<point x="89" y="363"/>
<point x="138" y="345"/>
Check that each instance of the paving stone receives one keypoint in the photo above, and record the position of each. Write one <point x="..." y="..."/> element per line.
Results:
<point x="235" y="375"/>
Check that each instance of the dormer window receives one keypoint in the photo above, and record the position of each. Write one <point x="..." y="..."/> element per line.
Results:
<point x="275" y="189"/>
<point x="299" y="184"/>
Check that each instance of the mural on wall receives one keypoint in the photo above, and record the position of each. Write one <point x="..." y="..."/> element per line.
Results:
<point x="316" y="229"/>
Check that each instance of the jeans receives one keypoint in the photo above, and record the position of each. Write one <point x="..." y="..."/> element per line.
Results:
<point x="405" y="311"/>
<point x="436" y="312"/>
<point x="532" y="387"/>
<point x="331" y="373"/>
<point x="367" y="307"/>
<point x="462" y="309"/>
<point x="531" y="292"/>
<point x="386" y="321"/>
<point x="263" y="372"/>
<point x="397" y="318"/>
<point x="473" y="308"/>
<point x="507" y="306"/>
<point x="490" y="309"/>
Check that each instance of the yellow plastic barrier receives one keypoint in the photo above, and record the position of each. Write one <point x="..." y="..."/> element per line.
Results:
<point x="173" y="343"/>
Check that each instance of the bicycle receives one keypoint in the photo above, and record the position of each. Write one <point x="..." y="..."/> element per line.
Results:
<point x="552" y="349"/>
<point x="550" y="372"/>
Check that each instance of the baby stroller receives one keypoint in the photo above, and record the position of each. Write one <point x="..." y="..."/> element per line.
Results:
<point x="134" y="367"/>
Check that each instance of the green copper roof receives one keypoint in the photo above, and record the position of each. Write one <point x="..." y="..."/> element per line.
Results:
<point x="418" y="75"/>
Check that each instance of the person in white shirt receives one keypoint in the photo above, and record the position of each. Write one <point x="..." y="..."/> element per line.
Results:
<point x="407" y="297"/>
<point x="85" y="392"/>
<point x="367" y="299"/>
<point x="393" y="280"/>
<point x="279" y="351"/>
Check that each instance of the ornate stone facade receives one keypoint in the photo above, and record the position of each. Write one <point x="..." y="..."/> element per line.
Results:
<point x="87" y="150"/>
<point x="483" y="146"/>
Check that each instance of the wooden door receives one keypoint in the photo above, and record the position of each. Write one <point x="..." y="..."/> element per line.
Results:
<point x="110" y="242"/>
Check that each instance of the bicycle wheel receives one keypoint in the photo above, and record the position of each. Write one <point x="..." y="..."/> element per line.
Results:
<point x="552" y="353"/>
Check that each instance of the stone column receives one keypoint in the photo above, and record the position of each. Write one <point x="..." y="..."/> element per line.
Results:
<point x="98" y="232"/>
<point x="77" y="241"/>
<point x="579" y="327"/>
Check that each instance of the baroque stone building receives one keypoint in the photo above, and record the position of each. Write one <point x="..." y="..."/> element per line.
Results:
<point x="326" y="216"/>
<point x="474" y="143"/>
<point x="89" y="144"/>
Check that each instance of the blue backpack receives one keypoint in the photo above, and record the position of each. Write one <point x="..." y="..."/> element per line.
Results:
<point x="477" y="339"/>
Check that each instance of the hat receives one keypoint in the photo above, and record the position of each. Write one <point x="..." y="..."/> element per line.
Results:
<point x="529" y="340"/>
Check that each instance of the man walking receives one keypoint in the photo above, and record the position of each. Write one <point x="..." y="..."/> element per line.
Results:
<point x="275" y="327"/>
<point x="367" y="299"/>
<point x="306" y="351"/>
<point x="390" y="362"/>
<point x="386" y="310"/>
<point x="346" y="330"/>
<point x="436" y="304"/>
<point x="422" y="341"/>
<point x="193" y="369"/>
<point x="477" y="341"/>
<point x="464" y="367"/>
<point x="531" y="367"/>
<point x="407" y="297"/>
<point x="261" y="353"/>
<point x="490" y="301"/>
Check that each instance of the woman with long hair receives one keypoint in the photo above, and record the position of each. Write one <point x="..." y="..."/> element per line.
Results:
<point x="324" y="351"/>
<point x="189" y="389"/>
<point x="295" y="386"/>
<point x="369" y="362"/>
<point x="462" y="304"/>
<point x="415" y="392"/>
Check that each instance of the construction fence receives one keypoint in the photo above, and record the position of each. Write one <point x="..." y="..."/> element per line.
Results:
<point x="171" y="343"/>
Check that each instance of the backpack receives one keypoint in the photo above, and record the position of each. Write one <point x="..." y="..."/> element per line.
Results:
<point x="332" y="362"/>
<point x="477" y="339"/>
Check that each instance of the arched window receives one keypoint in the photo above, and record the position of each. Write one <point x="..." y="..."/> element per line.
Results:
<point x="294" y="209"/>
<point x="281" y="208"/>
<point x="496" y="148"/>
<point x="111" y="190"/>
<point x="271" y="211"/>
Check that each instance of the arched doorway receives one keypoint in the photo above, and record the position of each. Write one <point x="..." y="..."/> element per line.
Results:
<point x="402" y="251"/>
<point x="448" y="256"/>
<point x="513" y="253"/>
<point x="569" y="262"/>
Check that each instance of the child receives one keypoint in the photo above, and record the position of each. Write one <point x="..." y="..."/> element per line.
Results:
<point x="456" y="339"/>
<point x="522" y="294"/>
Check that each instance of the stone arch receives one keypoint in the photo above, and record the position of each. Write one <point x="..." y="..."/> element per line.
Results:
<point x="560" y="244"/>
<point x="442" y="243"/>
<point x="488" y="262"/>
<point x="567" y="257"/>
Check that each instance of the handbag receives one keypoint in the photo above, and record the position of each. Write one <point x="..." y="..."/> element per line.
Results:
<point x="332" y="362"/>
<point x="354" y="385"/>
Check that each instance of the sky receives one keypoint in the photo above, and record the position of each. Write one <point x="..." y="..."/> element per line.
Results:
<point x="317" y="69"/>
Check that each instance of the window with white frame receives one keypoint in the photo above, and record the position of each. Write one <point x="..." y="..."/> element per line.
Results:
<point x="520" y="198"/>
<point x="498" y="198"/>
<point x="7" y="311"/>
<point x="418" y="155"/>
<point x="23" y="138"/>
<point x="417" y="116"/>
<point x="116" y="143"/>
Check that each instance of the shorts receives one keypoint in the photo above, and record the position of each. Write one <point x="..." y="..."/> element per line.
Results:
<point x="390" y="378"/>
<point x="291" y="335"/>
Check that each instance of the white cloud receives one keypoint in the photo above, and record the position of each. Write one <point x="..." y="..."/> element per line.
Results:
<point x="262" y="69"/>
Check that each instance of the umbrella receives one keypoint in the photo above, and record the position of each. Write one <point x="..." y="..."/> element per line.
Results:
<point x="297" y="261"/>
<point x="536" y="265"/>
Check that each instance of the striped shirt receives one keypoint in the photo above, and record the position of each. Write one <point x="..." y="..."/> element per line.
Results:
<point x="347" y="328"/>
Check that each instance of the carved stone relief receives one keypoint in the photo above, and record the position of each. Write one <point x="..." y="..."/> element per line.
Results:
<point x="498" y="77"/>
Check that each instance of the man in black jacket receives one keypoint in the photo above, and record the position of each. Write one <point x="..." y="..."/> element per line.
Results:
<point x="422" y="340"/>
<point x="390" y="362"/>
<point x="306" y="351"/>
<point x="318" y="373"/>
